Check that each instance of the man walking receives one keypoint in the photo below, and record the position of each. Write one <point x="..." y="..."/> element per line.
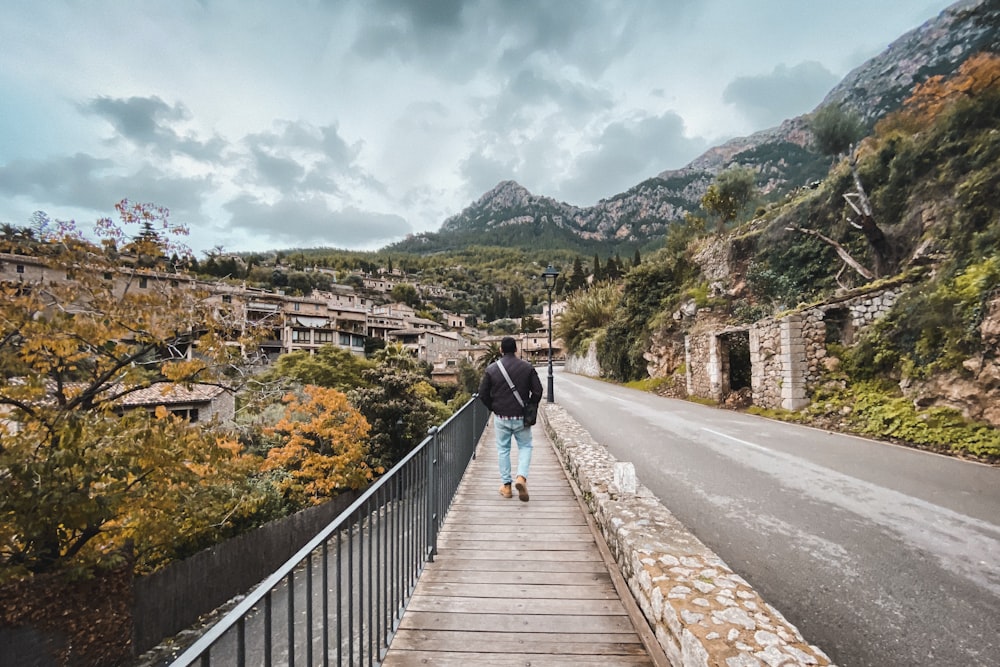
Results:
<point x="508" y="384"/>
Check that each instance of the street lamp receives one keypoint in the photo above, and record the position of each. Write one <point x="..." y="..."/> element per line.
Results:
<point x="549" y="278"/>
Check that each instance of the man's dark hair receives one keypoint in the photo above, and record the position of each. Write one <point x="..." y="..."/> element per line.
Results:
<point x="508" y="345"/>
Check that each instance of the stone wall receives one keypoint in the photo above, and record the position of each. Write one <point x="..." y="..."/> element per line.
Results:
<point x="702" y="613"/>
<point x="788" y="355"/>
<point x="585" y="365"/>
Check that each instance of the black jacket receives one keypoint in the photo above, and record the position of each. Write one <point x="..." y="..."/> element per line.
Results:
<point x="496" y="394"/>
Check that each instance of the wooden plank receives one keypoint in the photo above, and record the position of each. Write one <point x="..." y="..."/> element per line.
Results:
<point x="513" y="576"/>
<point x="441" y="659"/>
<point x="506" y="591"/>
<point x="516" y="605"/>
<point x="507" y="622"/>
<point x="519" y="556"/>
<point x="576" y="533"/>
<point x="519" y="545"/>
<point x="513" y="642"/>
<point x="490" y="563"/>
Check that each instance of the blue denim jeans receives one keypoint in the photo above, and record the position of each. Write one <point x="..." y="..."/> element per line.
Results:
<point x="504" y="429"/>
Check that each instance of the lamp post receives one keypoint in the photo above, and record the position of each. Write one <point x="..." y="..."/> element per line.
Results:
<point x="549" y="278"/>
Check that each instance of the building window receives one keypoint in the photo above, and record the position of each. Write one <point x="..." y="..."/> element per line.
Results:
<point x="296" y="307"/>
<point x="345" y="339"/>
<point x="107" y="275"/>
<point x="227" y="298"/>
<point x="300" y="335"/>
<point x="190" y="414"/>
<point x="143" y="283"/>
<point x="324" y="336"/>
<point x="20" y="268"/>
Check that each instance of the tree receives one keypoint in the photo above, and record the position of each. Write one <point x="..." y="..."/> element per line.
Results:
<point x="323" y="449"/>
<point x="405" y="293"/>
<point x="329" y="366"/>
<point x="585" y="314"/>
<point x="395" y="355"/>
<point x="493" y="353"/>
<point x="577" y="279"/>
<point x="835" y="132"/>
<point x="531" y="324"/>
<point x="399" y="404"/>
<point x="515" y="303"/>
<point x="598" y="272"/>
<point x="636" y="259"/>
<point x="614" y="268"/>
<point x="729" y="195"/>
<point x="79" y="475"/>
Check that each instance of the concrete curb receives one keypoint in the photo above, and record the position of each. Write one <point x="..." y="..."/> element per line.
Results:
<point x="703" y="613"/>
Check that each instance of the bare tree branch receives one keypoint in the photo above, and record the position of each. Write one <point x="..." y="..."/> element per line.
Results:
<point x="841" y="251"/>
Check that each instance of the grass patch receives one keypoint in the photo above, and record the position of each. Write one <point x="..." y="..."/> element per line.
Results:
<point x="647" y="384"/>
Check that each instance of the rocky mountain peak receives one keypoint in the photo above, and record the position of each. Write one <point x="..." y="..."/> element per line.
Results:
<point x="781" y="156"/>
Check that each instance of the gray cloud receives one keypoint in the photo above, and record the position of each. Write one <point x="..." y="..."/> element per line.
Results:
<point x="325" y="140"/>
<point x="276" y="171"/>
<point x="626" y="153"/>
<point x="84" y="181"/>
<point x="785" y="92"/>
<point x="465" y="36"/>
<point x="302" y="158"/>
<point x="310" y="221"/>
<point x="146" y="121"/>
<point x="482" y="173"/>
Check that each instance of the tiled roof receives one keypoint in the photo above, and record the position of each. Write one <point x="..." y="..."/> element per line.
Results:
<point x="164" y="393"/>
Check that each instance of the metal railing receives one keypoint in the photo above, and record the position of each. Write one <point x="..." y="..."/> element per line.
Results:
<point x="340" y="599"/>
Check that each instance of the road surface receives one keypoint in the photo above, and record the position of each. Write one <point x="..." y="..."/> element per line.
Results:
<point x="881" y="555"/>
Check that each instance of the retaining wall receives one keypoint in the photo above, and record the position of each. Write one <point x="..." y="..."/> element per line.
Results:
<point x="703" y="614"/>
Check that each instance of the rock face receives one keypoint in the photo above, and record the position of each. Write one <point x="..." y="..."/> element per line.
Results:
<point x="976" y="392"/>
<point x="780" y="155"/>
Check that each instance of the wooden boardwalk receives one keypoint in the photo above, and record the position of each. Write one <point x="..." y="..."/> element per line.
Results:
<point x="517" y="583"/>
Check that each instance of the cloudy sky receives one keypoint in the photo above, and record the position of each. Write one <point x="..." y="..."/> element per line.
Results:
<point x="351" y="123"/>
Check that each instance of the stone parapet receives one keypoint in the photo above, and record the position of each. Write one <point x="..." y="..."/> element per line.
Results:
<point x="702" y="613"/>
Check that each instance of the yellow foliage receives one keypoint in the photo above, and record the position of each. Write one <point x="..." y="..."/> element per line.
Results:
<point x="324" y="446"/>
<point x="928" y="99"/>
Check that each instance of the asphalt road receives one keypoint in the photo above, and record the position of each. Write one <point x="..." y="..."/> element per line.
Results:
<point x="880" y="554"/>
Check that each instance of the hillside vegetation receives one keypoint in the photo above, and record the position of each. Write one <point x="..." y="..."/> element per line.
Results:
<point x="931" y="171"/>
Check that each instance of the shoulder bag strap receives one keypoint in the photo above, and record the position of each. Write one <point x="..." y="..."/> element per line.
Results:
<point x="510" y="383"/>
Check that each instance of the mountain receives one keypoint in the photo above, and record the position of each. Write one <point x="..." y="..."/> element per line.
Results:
<point x="509" y="215"/>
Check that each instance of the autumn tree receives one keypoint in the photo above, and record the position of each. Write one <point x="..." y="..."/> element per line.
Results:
<point x="323" y="446"/>
<point x="978" y="73"/>
<point x="72" y="349"/>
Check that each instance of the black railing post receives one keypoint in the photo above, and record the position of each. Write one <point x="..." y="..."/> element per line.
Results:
<point x="475" y="406"/>
<point x="432" y="500"/>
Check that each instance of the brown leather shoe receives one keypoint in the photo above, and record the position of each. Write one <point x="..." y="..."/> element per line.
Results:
<point x="505" y="490"/>
<point x="521" y="484"/>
